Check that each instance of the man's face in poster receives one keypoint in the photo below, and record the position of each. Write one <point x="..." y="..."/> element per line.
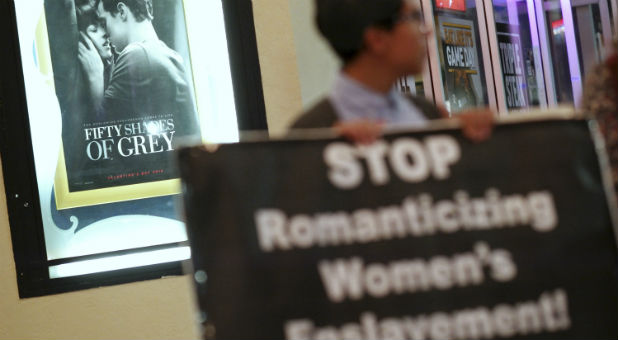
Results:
<point x="116" y="25"/>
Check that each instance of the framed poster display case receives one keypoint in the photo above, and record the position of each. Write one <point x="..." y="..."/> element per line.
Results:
<point x="95" y="97"/>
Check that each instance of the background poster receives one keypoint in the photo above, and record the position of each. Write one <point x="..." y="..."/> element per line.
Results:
<point x="463" y="87"/>
<point x="123" y="131"/>
<point x="514" y="74"/>
<point x="417" y="236"/>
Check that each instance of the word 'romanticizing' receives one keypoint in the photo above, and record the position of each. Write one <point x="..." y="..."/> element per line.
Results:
<point x="415" y="217"/>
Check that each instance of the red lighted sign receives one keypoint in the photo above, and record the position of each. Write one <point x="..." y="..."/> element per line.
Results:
<point x="457" y="5"/>
<point x="557" y="24"/>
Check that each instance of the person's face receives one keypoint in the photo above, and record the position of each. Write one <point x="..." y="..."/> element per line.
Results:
<point x="405" y="46"/>
<point x="100" y="39"/>
<point x="115" y="27"/>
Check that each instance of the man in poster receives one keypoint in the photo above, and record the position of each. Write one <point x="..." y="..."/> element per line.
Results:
<point x="149" y="78"/>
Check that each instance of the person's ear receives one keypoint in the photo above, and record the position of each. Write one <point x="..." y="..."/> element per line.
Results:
<point x="122" y="11"/>
<point x="376" y="40"/>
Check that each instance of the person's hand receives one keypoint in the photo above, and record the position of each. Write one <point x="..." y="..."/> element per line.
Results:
<point x="443" y="111"/>
<point x="90" y="61"/>
<point x="361" y="131"/>
<point x="476" y="124"/>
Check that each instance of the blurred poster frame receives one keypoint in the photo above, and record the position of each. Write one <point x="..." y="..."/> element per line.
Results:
<point x="460" y="62"/>
<point x="66" y="239"/>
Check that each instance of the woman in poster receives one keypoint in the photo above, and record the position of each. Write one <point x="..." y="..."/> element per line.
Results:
<point x="95" y="52"/>
<point x="70" y="25"/>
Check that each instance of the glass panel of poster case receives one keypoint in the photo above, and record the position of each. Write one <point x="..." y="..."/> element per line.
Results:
<point x="108" y="103"/>
<point x="459" y="55"/>
<point x="518" y="67"/>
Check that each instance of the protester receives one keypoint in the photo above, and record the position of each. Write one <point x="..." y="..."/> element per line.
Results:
<point x="600" y="101"/>
<point x="378" y="41"/>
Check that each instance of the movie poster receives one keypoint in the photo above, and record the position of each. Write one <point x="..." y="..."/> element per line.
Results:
<point x="512" y="63"/>
<point x="462" y="78"/>
<point x="108" y="108"/>
<point x="122" y="75"/>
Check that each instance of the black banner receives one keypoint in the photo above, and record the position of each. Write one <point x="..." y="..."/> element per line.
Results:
<point x="422" y="235"/>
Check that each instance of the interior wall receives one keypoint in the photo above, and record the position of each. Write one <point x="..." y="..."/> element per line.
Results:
<point x="278" y="65"/>
<point x="298" y="67"/>
<point x="317" y="63"/>
<point x="154" y="309"/>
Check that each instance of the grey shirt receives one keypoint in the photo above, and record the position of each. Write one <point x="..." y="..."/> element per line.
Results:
<point x="394" y="108"/>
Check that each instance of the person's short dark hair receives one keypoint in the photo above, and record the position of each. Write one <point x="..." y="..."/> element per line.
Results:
<point x="343" y="22"/>
<point x="141" y="9"/>
<point x="85" y="19"/>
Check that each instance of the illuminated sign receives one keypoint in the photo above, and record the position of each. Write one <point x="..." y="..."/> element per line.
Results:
<point x="557" y="26"/>
<point x="457" y="5"/>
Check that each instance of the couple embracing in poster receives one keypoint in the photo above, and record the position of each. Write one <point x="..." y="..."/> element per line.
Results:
<point x="126" y="97"/>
